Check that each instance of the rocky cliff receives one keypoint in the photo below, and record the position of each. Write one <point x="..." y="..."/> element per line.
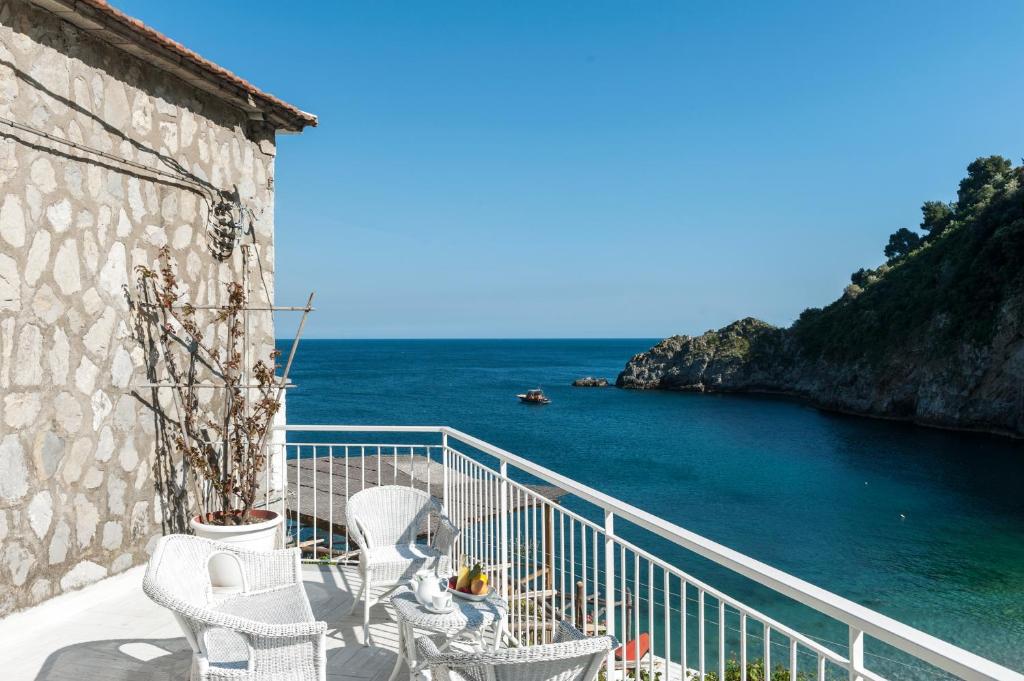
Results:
<point x="934" y="336"/>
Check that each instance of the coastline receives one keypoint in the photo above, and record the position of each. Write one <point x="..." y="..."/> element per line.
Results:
<point x="809" y="401"/>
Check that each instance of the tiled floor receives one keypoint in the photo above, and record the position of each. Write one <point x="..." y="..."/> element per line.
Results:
<point x="110" y="631"/>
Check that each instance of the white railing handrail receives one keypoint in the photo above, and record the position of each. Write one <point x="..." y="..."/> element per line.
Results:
<point x="926" y="647"/>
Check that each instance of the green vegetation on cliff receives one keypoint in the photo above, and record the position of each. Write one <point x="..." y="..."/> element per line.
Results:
<point x="935" y="335"/>
<point x="940" y="288"/>
<point x="735" y="341"/>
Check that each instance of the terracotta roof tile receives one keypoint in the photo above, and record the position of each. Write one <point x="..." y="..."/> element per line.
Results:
<point x="111" y="24"/>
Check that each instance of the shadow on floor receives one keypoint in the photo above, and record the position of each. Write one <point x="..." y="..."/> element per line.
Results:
<point x="331" y="596"/>
<point x="120" y="659"/>
<point x="170" y="659"/>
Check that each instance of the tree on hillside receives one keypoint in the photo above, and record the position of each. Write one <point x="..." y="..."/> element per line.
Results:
<point x="865" y="277"/>
<point x="936" y="217"/>
<point x="861" y="277"/>
<point x="902" y="242"/>
<point x="985" y="177"/>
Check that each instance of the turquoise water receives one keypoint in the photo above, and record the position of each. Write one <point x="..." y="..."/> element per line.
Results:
<point x="922" y="525"/>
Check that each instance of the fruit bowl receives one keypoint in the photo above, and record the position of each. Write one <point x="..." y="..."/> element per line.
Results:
<point x="469" y="596"/>
<point x="465" y="593"/>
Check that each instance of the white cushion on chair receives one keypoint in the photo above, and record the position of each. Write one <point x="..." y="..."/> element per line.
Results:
<point x="287" y="605"/>
<point x="394" y="563"/>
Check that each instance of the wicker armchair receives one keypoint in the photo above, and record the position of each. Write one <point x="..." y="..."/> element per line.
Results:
<point x="266" y="632"/>
<point x="386" y="523"/>
<point x="571" y="657"/>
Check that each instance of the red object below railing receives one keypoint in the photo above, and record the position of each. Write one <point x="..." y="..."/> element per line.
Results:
<point x="636" y="649"/>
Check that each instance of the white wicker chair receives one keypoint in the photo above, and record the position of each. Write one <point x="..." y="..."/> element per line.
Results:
<point x="571" y="657"/>
<point x="386" y="523"/>
<point x="266" y="632"/>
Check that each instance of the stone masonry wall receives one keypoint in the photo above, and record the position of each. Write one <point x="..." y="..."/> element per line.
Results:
<point x="77" y="490"/>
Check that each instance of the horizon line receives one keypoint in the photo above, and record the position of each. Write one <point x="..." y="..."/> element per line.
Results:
<point x="477" y="338"/>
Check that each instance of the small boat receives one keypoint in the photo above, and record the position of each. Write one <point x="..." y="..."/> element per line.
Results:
<point x="534" y="397"/>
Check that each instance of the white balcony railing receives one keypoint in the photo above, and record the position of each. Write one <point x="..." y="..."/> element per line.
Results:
<point x="557" y="548"/>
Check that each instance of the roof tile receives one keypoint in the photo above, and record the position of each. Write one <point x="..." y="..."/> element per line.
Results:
<point x="150" y="38"/>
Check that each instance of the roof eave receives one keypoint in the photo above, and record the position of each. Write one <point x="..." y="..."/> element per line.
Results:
<point x="99" y="19"/>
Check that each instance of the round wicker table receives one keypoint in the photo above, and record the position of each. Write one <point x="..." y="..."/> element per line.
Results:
<point x="470" y="620"/>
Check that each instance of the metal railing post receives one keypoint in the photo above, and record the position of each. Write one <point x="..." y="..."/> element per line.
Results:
<point x="609" y="588"/>
<point x="444" y="469"/>
<point x="549" y="547"/>
<point x="856" y="654"/>
<point x="503" y="530"/>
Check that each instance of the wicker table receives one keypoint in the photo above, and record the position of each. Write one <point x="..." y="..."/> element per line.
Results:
<point x="470" y="620"/>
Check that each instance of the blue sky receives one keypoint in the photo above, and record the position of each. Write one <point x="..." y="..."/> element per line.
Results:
<point x="599" y="169"/>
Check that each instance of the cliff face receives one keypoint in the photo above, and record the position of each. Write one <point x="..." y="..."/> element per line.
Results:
<point x="972" y="388"/>
<point x="733" y="358"/>
<point x="936" y="336"/>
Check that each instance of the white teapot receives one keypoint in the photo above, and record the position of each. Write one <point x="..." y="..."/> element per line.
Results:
<point x="426" y="584"/>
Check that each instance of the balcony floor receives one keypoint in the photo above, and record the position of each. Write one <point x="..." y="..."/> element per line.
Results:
<point x="110" y="631"/>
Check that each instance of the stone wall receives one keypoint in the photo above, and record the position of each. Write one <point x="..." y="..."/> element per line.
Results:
<point x="77" y="484"/>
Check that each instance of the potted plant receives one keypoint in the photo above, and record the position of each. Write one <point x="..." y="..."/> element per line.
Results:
<point x="220" y="439"/>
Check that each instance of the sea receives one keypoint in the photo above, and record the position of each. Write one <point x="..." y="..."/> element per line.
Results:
<point x="923" y="525"/>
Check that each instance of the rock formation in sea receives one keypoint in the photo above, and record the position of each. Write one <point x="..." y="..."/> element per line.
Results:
<point x="935" y="336"/>
<point x="590" y="382"/>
